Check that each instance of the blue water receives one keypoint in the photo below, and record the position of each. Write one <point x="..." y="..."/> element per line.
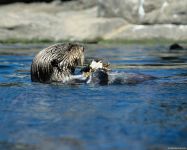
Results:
<point x="149" y="115"/>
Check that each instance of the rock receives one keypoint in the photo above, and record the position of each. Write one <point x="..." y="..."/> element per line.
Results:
<point x="170" y="12"/>
<point x="88" y="3"/>
<point x="145" y="11"/>
<point x="50" y="22"/>
<point x="69" y="21"/>
<point x="27" y="1"/>
<point x="126" y="9"/>
<point x="161" y="32"/>
<point x="175" y="46"/>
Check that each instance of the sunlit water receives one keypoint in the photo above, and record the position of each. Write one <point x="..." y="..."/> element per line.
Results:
<point x="149" y="115"/>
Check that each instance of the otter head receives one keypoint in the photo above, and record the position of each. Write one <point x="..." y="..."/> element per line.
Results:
<point x="72" y="57"/>
<point x="57" y="62"/>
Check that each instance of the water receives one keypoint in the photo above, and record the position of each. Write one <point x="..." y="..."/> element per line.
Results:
<point x="149" y="115"/>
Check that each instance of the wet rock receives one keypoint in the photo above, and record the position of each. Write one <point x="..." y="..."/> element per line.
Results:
<point x="175" y="46"/>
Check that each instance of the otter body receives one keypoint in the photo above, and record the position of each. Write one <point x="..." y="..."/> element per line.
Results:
<point x="57" y="62"/>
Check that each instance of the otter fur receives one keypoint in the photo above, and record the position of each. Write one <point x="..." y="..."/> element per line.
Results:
<point x="57" y="62"/>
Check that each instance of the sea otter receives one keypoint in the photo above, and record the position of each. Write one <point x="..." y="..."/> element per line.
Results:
<point x="57" y="62"/>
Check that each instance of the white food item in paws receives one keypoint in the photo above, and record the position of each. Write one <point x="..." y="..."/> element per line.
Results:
<point x="96" y="65"/>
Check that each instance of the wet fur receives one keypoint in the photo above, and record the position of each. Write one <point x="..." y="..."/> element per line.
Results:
<point x="57" y="62"/>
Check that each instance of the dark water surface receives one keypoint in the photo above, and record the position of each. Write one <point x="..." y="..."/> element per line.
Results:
<point x="150" y="115"/>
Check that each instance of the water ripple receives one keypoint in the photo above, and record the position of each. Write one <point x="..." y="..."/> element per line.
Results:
<point x="149" y="115"/>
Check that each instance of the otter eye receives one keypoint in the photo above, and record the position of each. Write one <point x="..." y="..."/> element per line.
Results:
<point x="54" y="63"/>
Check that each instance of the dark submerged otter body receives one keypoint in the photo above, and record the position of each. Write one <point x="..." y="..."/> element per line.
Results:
<point x="103" y="77"/>
<point x="57" y="62"/>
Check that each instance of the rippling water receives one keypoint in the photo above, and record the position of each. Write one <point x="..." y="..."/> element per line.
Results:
<point x="149" y="115"/>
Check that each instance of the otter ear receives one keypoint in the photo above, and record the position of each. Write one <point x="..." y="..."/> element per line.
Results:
<point x="54" y="63"/>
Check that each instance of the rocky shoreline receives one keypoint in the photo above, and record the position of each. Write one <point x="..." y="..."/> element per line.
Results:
<point x="74" y="21"/>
